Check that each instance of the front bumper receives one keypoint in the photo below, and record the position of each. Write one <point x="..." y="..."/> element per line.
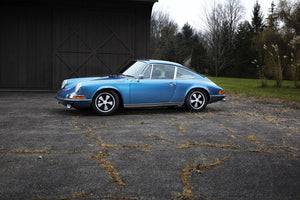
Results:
<point x="76" y="103"/>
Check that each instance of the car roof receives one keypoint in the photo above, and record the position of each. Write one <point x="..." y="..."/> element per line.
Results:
<point x="152" y="61"/>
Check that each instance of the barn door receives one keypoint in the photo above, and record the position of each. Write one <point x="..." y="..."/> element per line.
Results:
<point x="90" y="43"/>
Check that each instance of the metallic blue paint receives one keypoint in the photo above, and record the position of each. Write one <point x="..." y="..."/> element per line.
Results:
<point x="135" y="91"/>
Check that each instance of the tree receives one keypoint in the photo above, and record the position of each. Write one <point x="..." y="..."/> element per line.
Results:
<point x="289" y="14"/>
<point x="222" y="23"/>
<point x="295" y="60"/>
<point x="242" y="65"/>
<point x="186" y="40"/>
<point x="275" y="48"/>
<point x="199" y="57"/>
<point x="272" y="19"/>
<point x="258" y="26"/>
<point x="233" y="11"/>
<point x="162" y="36"/>
<point x="167" y="44"/>
<point x="257" y="19"/>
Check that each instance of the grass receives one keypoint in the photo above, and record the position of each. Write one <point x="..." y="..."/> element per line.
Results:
<point x="108" y="167"/>
<point x="252" y="87"/>
<point x="187" y="192"/>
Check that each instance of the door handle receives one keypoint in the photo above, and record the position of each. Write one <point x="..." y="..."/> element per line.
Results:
<point x="174" y="84"/>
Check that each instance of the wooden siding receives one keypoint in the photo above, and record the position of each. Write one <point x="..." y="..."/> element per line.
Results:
<point x="42" y="45"/>
<point x="25" y="48"/>
<point x="91" y="43"/>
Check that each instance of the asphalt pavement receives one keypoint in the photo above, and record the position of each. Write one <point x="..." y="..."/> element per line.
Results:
<point x="245" y="148"/>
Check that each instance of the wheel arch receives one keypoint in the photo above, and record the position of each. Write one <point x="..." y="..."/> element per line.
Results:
<point x="106" y="89"/>
<point x="198" y="88"/>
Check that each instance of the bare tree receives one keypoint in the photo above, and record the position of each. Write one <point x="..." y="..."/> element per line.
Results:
<point x="222" y="24"/>
<point x="233" y="11"/>
<point x="163" y="31"/>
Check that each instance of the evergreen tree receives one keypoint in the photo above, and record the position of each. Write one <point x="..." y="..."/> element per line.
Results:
<point x="257" y="43"/>
<point x="257" y="19"/>
<point x="243" y="67"/>
<point x="272" y="19"/>
<point x="199" y="57"/>
<point x="186" y="40"/>
<point x="167" y="44"/>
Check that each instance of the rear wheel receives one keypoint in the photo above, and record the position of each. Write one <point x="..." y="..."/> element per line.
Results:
<point x="105" y="102"/>
<point x="196" y="100"/>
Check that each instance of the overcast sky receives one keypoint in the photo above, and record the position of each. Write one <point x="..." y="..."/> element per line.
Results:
<point x="194" y="11"/>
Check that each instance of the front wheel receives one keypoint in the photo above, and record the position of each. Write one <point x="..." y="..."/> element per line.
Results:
<point x="105" y="102"/>
<point x="196" y="100"/>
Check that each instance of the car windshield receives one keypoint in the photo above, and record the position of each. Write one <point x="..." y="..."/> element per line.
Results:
<point x="133" y="69"/>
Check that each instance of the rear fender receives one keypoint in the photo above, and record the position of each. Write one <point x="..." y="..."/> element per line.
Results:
<point x="198" y="88"/>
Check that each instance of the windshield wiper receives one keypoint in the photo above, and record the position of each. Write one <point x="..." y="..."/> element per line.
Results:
<point x="128" y="75"/>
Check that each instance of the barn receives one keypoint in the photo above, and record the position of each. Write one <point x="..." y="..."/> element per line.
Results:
<point x="43" y="42"/>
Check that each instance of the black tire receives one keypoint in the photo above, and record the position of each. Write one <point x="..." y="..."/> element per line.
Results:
<point x="106" y="102"/>
<point x="196" y="100"/>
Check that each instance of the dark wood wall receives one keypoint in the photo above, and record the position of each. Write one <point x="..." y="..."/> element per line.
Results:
<point x="25" y="48"/>
<point x="40" y="45"/>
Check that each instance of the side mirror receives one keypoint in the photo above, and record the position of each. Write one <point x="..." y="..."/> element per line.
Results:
<point x="141" y="77"/>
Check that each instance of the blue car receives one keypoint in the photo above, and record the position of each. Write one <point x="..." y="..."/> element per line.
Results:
<point x="142" y="83"/>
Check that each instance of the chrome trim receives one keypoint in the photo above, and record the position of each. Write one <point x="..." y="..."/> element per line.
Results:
<point x="66" y="89"/>
<point x="152" y="105"/>
<point x="218" y="95"/>
<point x="74" y="100"/>
<point x="64" y="83"/>
<point x="175" y="73"/>
<point x="78" y="87"/>
<point x="151" y="71"/>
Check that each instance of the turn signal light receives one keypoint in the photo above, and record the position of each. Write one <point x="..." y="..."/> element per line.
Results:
<point x="221" y="92"/>
<point x="78" y="97"/>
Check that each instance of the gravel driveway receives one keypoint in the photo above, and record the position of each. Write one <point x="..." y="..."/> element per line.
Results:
<point x="245" y="148"/>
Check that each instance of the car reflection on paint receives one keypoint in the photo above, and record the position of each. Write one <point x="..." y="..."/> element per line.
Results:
<point x="142" y="83"/>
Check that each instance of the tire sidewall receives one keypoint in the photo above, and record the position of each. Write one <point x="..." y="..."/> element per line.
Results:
<point x="116" y="102"/>
<point x="188" y="100"/>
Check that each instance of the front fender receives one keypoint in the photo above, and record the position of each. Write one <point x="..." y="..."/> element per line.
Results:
<point x="123" y="90"/>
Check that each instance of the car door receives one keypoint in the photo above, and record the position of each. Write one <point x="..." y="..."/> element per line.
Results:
<point x="157" y="85"/>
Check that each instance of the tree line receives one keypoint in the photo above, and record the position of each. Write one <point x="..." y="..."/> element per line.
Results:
<point x="265" y="48"/>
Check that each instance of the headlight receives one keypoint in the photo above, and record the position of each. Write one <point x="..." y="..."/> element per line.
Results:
<point x="78" y="86"/>
<point x="64" y="83"/>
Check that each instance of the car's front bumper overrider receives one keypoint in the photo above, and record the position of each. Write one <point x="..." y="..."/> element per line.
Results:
<point x="76" y="103"/>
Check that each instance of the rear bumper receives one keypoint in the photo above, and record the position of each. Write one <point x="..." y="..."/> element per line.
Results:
<point x="215" y="98"/>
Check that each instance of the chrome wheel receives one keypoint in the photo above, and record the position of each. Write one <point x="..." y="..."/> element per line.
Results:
<point x="106" y="102"/>
<point x="196" y="100"/>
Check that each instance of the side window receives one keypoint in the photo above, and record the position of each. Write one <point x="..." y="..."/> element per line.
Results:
<point x="163" y="72"/>
<point x="184" y="74"/>
<point x="147" y="72"/>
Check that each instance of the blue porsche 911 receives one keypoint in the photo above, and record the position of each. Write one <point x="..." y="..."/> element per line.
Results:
<point x="142" y="83"/>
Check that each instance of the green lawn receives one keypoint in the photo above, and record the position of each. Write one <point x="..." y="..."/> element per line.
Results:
<point x="252" y="87"/>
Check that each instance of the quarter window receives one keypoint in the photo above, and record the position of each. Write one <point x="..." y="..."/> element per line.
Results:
<point x="184" y="74"/>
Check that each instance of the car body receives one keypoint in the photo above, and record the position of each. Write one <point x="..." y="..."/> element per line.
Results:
<point x="142" y="83"/>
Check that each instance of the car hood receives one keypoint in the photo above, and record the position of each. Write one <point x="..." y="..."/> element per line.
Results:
<point x="73" y="82"/>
